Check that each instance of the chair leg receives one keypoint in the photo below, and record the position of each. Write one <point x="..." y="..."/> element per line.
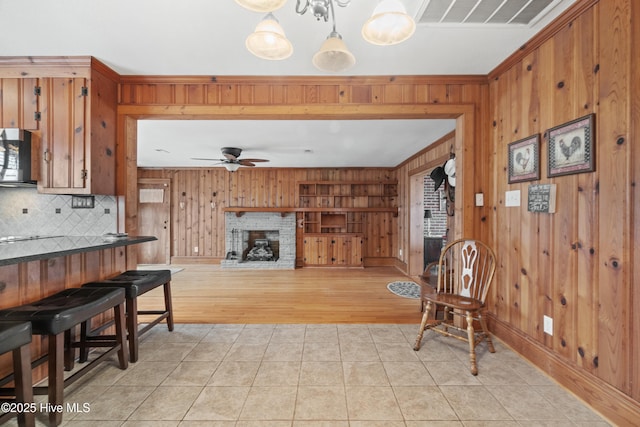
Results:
<point x="121" y="335"/>
<point x="487" y="335"/>
<point x="132" y="328"/>
<point x="472" y="344"/>
<point x="23" y="383"/>
<point x="168" y="305"/>
<point x="85" y="330"/>
<point x="423" y="325"/>
<point x="56" y="377"/>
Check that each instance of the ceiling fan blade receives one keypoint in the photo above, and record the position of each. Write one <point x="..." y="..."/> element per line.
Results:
<point x="202" y="158"/>
<point x="230" y="156"/>
<point x="254" y="160"/>
<point x="245" y="162"/>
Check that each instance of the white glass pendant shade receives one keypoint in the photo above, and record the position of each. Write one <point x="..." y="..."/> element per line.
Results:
<point x="389" y="24"/>
<point x="262" y="5"/>
<point x="333" y="55"/>
<point x="268" y="41"/>
<point x="232" y="167"/>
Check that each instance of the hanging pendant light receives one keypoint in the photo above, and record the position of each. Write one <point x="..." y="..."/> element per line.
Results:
<point x="268" y="41"/>
<point x="262" y="6"/>
<point x="390" y="24"/>
<point x="333" y="55"/>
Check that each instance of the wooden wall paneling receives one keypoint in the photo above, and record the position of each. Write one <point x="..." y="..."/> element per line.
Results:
<point x="501" y="303"/>
<point x="634" y="258"/>
<point x="229" y="94"/>
<point x="564" y="224"/>
<point x="529" y="125"/>
<point x="585" y="289"/>
<point x="545" y="297"/>
<point x="613" y="156"/>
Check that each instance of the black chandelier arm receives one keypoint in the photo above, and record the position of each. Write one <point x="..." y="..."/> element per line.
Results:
<point x="302" y="11"/>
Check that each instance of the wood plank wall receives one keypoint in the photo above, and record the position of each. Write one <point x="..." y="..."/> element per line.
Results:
<point x="198" y="197"/>
<point x="580" y="264"/>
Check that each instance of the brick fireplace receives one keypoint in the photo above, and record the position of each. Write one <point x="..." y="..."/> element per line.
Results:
<point x="254" y="230"/>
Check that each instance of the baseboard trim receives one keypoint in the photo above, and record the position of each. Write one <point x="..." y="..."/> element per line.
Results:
<point x="195" y="260"/>
<point x="617" y="407"/>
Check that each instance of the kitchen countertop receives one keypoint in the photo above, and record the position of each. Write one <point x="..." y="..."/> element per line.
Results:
<point x="51" y="247"/>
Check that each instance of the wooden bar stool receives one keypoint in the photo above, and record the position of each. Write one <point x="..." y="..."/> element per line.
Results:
<point x="136" y="283"/>
<point x="54" y="317"/>
<point x="16" y="337"/>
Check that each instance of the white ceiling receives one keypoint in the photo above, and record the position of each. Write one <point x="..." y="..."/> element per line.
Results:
<point x="206" y="37"/>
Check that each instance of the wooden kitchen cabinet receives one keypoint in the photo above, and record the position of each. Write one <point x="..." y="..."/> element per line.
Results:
<point x="70" y="104"/>
<point x="339" y="250"/>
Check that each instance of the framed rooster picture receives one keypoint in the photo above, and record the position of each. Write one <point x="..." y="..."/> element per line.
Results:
<point x="571" y="147"/>
<point x="524" y="159"/>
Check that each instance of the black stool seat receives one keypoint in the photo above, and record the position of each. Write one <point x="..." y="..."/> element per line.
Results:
<point x="16" y="337"/>
<point x="136" y="283"/>
<point x="55" y="317"/>
<point x="66" y="309"/>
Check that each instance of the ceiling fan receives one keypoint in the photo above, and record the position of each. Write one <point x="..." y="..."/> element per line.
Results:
<point x="231" y="161"/>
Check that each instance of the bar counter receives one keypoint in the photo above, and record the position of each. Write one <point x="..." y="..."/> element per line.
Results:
<point x="34" y="269"/>
<point x="15" y="252"/>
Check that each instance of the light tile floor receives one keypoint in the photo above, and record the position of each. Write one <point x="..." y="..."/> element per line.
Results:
<point x="318" y="376"/>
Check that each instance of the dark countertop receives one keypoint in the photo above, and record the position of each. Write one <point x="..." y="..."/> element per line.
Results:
<point x="51" y="247"/>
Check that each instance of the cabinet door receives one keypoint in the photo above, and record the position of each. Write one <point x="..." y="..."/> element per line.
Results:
<point x="316" y="250"/>
<point x="19" y="103"/>
<point x="64" y="127"/>
<point x="346" y="250"/>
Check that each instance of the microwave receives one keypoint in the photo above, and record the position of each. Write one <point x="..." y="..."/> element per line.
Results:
<point x="15" y="156"/>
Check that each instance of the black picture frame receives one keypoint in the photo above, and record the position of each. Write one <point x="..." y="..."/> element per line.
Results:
<point x="524" y="159"/>
<point x="571" y="147"/>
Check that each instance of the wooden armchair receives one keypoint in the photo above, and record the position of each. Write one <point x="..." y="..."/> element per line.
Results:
<point x="465" y="271"/>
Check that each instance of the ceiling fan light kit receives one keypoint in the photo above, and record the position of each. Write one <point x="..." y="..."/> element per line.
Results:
<point x="389" y="25"/>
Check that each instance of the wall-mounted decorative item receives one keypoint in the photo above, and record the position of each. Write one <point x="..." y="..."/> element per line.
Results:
<point x="542" y="198"/>
<point x="572" y="147"/>
<point x="524" y="159"/>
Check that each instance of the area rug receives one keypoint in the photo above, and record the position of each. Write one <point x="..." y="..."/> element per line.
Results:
<point x="405" y="289"/>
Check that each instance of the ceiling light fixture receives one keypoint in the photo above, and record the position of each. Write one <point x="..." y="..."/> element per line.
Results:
<point x="268" y="41"/>
<point x="388" y="25"/>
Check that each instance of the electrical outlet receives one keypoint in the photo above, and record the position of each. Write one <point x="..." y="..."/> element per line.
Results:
<point x="400" y="253"/>
<point x="479" y="199"/>
<point x="548" y="325"/>
<point x="195" y="249"/>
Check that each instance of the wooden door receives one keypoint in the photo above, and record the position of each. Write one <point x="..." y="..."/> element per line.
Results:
<point x="154" y="207"/>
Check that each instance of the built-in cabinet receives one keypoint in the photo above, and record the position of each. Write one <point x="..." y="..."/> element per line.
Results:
<point x="70" y="106"/>
<point x="335" y="216"/>
<point x="333" y="250"/>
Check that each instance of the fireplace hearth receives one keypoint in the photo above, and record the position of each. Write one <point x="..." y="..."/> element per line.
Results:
<point x="260" y="240"/>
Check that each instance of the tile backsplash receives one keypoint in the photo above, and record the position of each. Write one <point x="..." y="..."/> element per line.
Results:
<point x="25" y="212"/>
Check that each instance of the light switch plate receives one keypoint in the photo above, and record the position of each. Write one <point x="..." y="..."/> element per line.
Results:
<point x="479" y="199"/>
<point x="512" y="198"/>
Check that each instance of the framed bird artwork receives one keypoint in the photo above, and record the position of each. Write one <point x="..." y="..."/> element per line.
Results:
<point x="571" y="147"/>
<point x="524" y="159"/>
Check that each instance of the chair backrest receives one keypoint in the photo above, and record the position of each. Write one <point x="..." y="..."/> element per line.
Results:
<point x="466" y="268"/>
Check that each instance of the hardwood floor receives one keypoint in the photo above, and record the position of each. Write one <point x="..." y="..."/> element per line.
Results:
<point x="210" y="294"/>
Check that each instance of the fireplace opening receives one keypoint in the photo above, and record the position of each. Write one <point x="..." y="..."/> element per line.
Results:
<point x="261" y="245"/>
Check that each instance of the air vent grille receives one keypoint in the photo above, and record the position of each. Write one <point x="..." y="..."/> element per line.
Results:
<point x="493" y="12"/>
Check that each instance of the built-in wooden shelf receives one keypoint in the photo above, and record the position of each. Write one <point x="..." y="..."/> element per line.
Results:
<point x="241" y="210"/>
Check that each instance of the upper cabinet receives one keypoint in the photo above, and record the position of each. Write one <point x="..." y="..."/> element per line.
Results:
<point x="70" y="104"/>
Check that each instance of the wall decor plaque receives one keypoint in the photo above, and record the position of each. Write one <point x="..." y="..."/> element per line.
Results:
<point x="542" y="198"/>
